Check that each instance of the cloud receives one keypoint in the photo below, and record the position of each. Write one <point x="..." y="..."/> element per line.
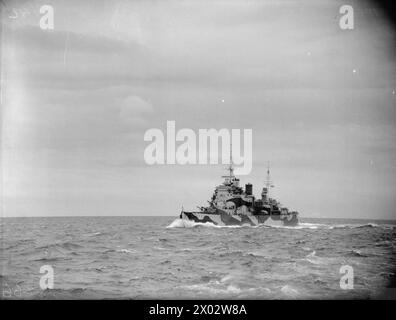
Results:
<point x="78" y="99"/>
<point x="135" y="111"/>
<point x="134" y="105"/>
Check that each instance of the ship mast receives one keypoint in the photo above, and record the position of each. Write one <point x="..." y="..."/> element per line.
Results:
<point x="231" y="167"/>
<point x="268" y="182"/>
<point x="229" y="178"/>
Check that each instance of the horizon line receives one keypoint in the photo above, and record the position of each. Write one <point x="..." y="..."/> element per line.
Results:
<point x="176" y="216"/>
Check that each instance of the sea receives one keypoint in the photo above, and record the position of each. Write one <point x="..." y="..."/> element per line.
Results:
<point x="168" y="258"/>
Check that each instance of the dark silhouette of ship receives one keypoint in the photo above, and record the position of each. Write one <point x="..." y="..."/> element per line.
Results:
<point x="231" y="205"/>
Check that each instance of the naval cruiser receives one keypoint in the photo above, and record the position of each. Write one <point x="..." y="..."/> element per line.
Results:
<point x="231" y="205"/>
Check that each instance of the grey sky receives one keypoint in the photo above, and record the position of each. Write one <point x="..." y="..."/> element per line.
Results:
<point x="77" y="100"/>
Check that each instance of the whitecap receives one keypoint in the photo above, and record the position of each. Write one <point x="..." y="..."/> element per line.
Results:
<point x="289" y="291"/>
<point x="214" y="288"/>
<point x="312" y="254"/>
<point x="126" y="251"/>
<point x="183" y="223"/>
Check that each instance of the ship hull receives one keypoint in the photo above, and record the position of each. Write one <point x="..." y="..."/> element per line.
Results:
<point x="225" y="219"/>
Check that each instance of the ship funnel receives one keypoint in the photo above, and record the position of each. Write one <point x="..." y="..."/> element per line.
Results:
<point x="249" y="189"/>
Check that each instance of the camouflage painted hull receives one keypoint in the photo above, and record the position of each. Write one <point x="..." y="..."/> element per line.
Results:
<point x="225" y="219"/>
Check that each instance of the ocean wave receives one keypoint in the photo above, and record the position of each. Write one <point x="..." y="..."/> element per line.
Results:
<point x="123" y="250"/>
<point x="95" y="234"/>
<point x="214" y="288"/>
<point x="161" y="248"/>
<point x="301" y="225"/>
<point x="237" y="254"/>
<point x="69" y="294"/>
<point x="183" y="223"/>
<point x="312" y="258"/>
<point x="322" y="261"/>
<point x="312" y="254"/>
<point x="305" y="225"/>
<point x="357" y="253"/>
<point x="290" y="291"/>
<point x="360" y="226"/>
<point x="51" y="259"/>
<point x="384" y="243"/>
<point x="228" y="286"/>
<point x="61" y="245"/>
<point x="18" y="243"/>
<point x="368" y="225"/>
<point x="256" y="254"/>
<point x="187" y="249"/>
<point x="340" y="226"/>
<point x="11" y="246"/>
<point x="126" y="251"/>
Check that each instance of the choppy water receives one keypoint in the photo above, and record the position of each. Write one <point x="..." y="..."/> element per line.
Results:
<point x="160" y="257"/>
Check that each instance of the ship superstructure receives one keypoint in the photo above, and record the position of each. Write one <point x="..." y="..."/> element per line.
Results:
<point x="233" y="205"/>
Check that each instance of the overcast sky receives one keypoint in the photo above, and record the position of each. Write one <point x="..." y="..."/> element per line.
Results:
<point x="77" y="100"/>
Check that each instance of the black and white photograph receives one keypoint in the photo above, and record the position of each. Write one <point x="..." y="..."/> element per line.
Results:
<point x="217" y="150"/>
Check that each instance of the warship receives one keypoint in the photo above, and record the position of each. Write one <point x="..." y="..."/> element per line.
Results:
<point x="230" y="205"/>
